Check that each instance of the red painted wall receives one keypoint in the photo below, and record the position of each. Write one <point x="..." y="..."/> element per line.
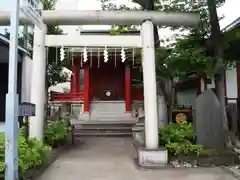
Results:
<point x="107" y="76"/>
<point x="137" y="94"/>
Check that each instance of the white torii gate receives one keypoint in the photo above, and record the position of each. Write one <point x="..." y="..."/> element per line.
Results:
<point x="146" y="41"/>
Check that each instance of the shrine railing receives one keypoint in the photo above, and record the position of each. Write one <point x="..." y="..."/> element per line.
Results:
<point x="56" y="96"/>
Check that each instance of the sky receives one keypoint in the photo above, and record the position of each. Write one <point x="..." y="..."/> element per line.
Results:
<point x="230" y="10"/>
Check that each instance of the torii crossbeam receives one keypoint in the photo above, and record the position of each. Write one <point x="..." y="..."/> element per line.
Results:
<point x="92" y="17"/>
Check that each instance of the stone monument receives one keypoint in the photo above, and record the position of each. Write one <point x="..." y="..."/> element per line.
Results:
<point x="209" y="120"/>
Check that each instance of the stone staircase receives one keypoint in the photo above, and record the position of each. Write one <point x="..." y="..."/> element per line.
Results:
<point x="103" y="128"/>
<point x="106" y="119"/>
<point x="109" y="111"/>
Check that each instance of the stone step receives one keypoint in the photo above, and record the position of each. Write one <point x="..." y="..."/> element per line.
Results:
<point x="107" y="111"/>
<point x="92" y="127"/>
<point x="109" y="118"/>
<point x="117" y="122"/>
<point x="140" y="124"/>
<point x="104" y="131"/>
<point x="137" y="129"/>
<point x="103" y="128"/>
<point x="111" y="106"/>
<point x="103" y="134"/>
<point x="84" y="129"/>
<point x="108" y="107"/>
<point x="110" y="114"/>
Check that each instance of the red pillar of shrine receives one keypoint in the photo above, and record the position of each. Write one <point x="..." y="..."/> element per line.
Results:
<point x="86" y="88"/>
<point x="75" y="78"/>
<point x="71" y="84"/>
<point x="128" y="87"/>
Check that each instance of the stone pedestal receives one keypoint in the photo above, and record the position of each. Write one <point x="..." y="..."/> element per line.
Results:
<point x="138" y="136"/>
<point x="152" y="158"/>
<point x="84" y="116"/>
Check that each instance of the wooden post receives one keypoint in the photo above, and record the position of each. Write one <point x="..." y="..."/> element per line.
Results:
<point x="86" y="88"/>
<point x="76" y="72"/>
<point x="128" y="87"/>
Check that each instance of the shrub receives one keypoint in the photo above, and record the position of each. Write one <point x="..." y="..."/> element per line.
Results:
<point x="31" y="154"/>
<point x="56" y="133"/>
<point x="184" y="148"/>
<point x="176" y="133"/>
<point x="179" y="139"/>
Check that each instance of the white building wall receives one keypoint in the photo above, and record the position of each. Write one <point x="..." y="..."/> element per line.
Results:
<point x="231" y="83"/>
<point x="187" y="97"/>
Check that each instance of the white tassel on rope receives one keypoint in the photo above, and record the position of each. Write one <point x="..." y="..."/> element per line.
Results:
<point x="98" y="57"/>
<point x="123" y="56"/>
<point x="133" y="57"/>
<point x="56" y="55"/>
<point x="47" y="50"/>
<point x="71" y="56"/>
<point x="115" y="58"/>
<point x="81" y="61"/>
<point x="91" y="54"/>
<point x="85" y="58"/>
<point x="62" y="54"/>
<point x="105" y="54"/>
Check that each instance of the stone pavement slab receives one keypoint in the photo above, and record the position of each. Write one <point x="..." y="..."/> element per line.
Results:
<point x="112" y="159"/>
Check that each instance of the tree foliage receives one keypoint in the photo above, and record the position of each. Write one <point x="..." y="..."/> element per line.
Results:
<point x="189" y="53"/>
<point x="195" y="52"/>
<point x="108" y="5"/>
<point x="199" y="6"/>
<point x="55" y="67"/>
<point x="184" y="58"/>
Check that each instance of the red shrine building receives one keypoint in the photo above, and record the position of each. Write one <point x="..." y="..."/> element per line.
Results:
<point x="98" y="82"/>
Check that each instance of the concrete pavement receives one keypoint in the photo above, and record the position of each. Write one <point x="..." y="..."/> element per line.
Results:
<point x="112" y="159"/>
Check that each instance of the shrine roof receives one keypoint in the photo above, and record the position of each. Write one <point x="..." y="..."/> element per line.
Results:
<point x="234" y="24"/>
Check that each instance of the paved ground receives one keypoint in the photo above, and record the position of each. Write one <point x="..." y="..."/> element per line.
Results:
<point x="112" y="159"/>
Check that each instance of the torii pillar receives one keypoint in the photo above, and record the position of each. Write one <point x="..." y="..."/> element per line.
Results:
<point x="149" y="85"/>
<point x="38" y="85"/>
<point x="150" y="155"/>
